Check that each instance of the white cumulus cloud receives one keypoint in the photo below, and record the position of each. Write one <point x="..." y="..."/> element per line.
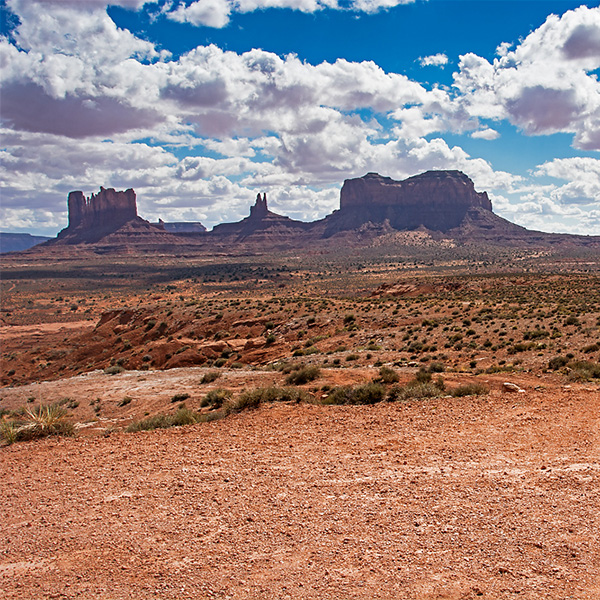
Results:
<point x="434" y="60"/>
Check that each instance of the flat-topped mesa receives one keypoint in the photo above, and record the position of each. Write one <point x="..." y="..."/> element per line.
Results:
<point x="438" y="200"/>
<point x="108" y="209"/>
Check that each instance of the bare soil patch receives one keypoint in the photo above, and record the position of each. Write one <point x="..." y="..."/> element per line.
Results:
<point x="461" y="498"/>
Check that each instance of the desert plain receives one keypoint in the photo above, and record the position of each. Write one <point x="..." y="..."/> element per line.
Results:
<point x="358" y="424"/>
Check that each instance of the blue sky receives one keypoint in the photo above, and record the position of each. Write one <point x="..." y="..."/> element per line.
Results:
<point x="199" y="104"/>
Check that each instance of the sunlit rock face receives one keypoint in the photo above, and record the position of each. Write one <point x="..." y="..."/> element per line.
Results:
<point x="107" y="209"/>
<point x="91" y="219"/>
<point x="437" y="200"/>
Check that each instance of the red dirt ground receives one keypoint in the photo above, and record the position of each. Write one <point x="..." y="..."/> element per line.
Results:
<point x="491" y="497"/>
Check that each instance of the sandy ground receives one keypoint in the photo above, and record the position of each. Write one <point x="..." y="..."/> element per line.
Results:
<point x="479" y="497"/>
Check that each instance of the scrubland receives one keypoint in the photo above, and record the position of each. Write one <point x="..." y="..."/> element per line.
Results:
<point x="302" y="427"/>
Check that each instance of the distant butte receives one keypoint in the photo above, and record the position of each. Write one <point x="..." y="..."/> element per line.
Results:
<point x="262" y="225"/>
<point x="102" y="214"/>
<point x="442" y="204"/>
<point x="436" y="200"/>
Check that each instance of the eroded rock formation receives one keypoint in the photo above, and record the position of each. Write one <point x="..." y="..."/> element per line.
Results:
<point x="93" y="218"/>
<point x="107" y="209"/>
<point x="437" y="200"/>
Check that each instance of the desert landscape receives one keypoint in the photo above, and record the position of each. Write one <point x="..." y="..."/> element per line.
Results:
<point x="299" y="300"/>
<point x="412" y="418"/>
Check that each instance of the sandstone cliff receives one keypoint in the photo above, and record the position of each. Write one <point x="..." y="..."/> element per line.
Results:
<point x="92" y="219"/>
<point x="437" y="200"/>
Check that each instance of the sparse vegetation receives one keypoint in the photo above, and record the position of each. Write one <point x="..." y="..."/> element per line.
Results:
<point x="303" y="375"/>
<point x="114" y="370"/>
<point x="469" y="389"/>
<point x="368" y="393"/>
<point x="210" y="377"/>
<point x="180" y="397"/>
<point x="37" y="422"/>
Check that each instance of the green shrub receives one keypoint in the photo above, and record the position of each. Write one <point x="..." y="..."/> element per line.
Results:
<point x="583" y="371"/>
<point x="422" y="386"/>
<point x="387" y="375"/>
<point x="536" y="334"/>
<point x="558" y="362"/>
<point x="469" y="389"/>
<point x="591" y="348"/>
<point x="368" y="393"/>
<point x="303" y="375"/>
<point x="210" y="377"/>
<point x="183" y="416"/>
<point x="114" y="370"/>
<point x="216" y="398"/>
<point x="180" y="397"/>
<point x="252" y="398"/>
<point x="36" y="423"/>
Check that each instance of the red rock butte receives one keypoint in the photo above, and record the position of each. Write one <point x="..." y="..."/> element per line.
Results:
<point x="108" y="208"/>
<point x="438" y="200"/>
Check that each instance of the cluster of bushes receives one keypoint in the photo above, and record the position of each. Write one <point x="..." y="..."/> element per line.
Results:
<point x="422" y="386"/>
<point x="578" y="370"/>
<point x="221" y="404"/>
<point x="35" y="423"/>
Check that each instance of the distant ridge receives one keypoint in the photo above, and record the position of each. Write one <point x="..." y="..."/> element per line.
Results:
<point x="17" y="242"/>
<point x="442" y="205"/>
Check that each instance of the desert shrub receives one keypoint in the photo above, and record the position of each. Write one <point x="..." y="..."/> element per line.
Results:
<point x="252" y="398"/>
<point x="183" y="416"/>
<point x="422" y="386"/>
<point x="387" y="375"/>
<point x="416" y="391"/>
<point x="220" y="362"/>
<point x="436" y="367"/>
<point x="572" y="320"/>
<point x="591" y="348"/>
<point x="305" y="351"/>
<point x="469" y="389"/>
<point x="127" y="400"/>
<point x="210" y="377"/>
<point x="351" y="357"/>
<point x="303" y="375"/>
<point x="582" y="371"/>
<point x="558" y="362"/>
<point x="216" y="398"/>
<point x="536" y="334"/>
<point x="422" y="376"/>
<point x="9" y="432"/>
<point x="368" y="393"/>
<point x="415" y="346"/>
<point x="521" y="348"/>
<point x="36" y="423"/>
<point x="180" y="397"/>
<point x="114" y="370"/>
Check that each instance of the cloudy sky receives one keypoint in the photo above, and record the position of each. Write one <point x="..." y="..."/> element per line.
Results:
<point x="200" y="104"/>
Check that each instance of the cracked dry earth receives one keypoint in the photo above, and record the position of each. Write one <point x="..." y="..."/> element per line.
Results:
<point x="480" y="497"/>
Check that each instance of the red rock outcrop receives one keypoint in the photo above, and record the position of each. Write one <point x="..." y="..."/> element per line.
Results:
<point x="94" y="218"/>
<point x="262" y="227"/>
<point x="107" y="209"/>
<point x="437" y="200"/>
